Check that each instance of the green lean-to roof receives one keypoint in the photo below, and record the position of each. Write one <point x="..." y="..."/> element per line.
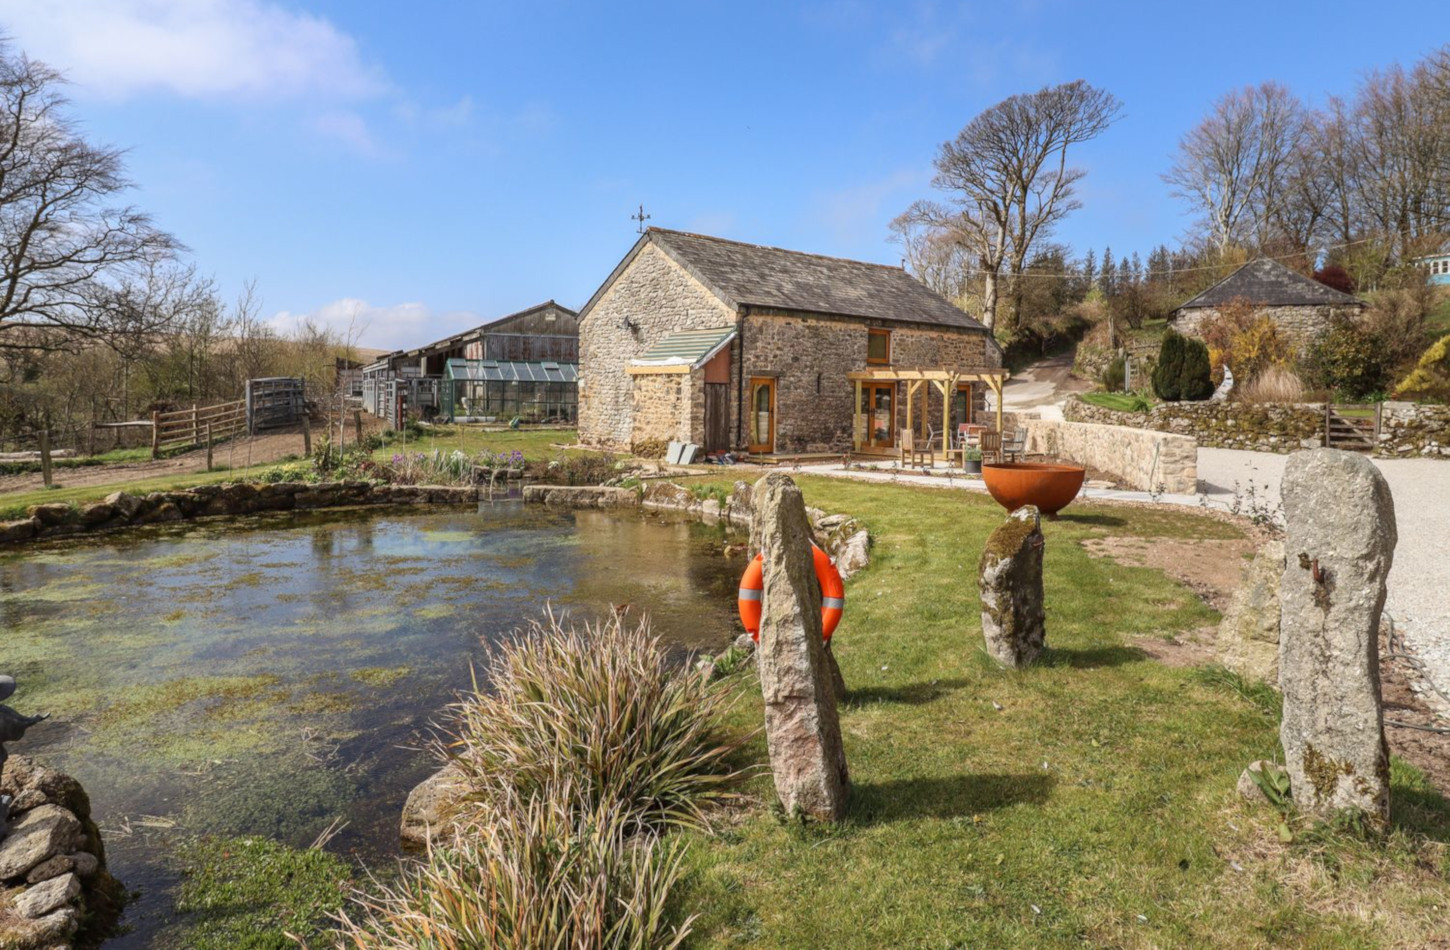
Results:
<point x="503" y="371"/>
<point x="687" y="347"/>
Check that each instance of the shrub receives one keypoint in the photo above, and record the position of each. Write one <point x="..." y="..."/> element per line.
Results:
<point x="580" y="468"/>
<point x="1196" y="381"/>
<point x="546" y="871"/>
<point x="1244" y="341"/>
<point x="1396" y="319"/>
<point x="1183" y="371"/>
<point x="1277" y="384"/>
<point x="601" y="708"/>
<point x="1336" y="277"/>
<point x="1429" y="381"/>
<point x="1115" y="375"/>
<point x="1170" y="367"/>
<point x="1348" y="360"/>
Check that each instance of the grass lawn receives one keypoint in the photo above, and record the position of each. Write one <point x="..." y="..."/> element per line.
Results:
<point x="1123" y="402"/>
<point x="1095" y="807"/>
<point x="534" y="444"/>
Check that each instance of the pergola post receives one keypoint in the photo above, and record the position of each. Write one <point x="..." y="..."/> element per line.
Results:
<point x="858" y="424"/>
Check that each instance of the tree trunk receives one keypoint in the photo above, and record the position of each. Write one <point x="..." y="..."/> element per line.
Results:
<point x="989" y="299"/>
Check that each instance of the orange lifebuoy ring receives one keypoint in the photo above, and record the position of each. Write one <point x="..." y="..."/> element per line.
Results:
<point x="833" y="594"/>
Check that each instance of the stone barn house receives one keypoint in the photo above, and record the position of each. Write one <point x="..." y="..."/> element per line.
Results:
<point x="747" y="348"/>
<point x="1302" y="307"/>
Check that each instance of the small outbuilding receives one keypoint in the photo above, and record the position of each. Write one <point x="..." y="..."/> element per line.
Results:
<point x="1302" y="307"/>
<point x="742" y="347"/>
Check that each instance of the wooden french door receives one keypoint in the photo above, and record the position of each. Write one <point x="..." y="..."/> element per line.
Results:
<point x="762" y="415"/>
<point x="878" y="405"/>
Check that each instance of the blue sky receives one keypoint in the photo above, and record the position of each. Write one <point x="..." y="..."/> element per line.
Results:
<point x="420" y="168"/>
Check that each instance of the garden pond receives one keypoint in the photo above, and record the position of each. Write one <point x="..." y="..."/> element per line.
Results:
<point x="277" y="674"/>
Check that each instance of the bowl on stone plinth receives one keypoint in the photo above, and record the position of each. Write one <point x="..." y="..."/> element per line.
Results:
<point x="1049" y="486"/>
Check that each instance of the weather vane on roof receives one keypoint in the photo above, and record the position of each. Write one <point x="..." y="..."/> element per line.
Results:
<point x="641" y="217"/>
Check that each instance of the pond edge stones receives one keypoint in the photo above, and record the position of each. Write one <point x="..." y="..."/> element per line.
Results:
<point x="802" y="730"/>
<point x="1009" y="580"/>
<point x="52" y="863"/>
<point x="1339" y="545"/>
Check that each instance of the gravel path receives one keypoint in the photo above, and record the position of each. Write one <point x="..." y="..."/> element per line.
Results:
<point x="1419" y="589"/>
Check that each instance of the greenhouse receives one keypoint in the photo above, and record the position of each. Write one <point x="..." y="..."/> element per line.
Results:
<point x="501" y="391"/>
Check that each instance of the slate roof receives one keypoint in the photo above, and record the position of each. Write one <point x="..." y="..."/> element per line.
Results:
<point x="687" y="347"/>
<point x="753" y="275"/>
<point x="1270" y="284"/>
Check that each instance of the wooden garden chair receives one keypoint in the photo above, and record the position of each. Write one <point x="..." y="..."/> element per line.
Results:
<point x="991" y="445"/>
<point x="1016" y="445"/>
<point x="910" y="453"/>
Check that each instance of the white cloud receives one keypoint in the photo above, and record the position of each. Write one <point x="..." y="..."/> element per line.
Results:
<point x="397" y="327"/>
<point x="197" y="49"/>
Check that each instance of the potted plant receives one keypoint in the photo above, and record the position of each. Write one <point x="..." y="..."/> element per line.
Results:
<point x="972" y="461"/>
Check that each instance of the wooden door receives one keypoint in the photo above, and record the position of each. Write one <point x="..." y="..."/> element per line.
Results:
<point x="717" y="417"/>
<point x="878" y="405"/>
<point x="761" y="407"/>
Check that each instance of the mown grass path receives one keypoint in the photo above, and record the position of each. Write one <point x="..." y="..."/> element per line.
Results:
<point x="1095" y="807"/>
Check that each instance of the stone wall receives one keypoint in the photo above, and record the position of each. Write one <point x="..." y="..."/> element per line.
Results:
<point x="662" y="408"/>
<point x="1406" y="429"/>
<point x="809" y="356"/>
<point x="1138" y="458"/>
<point x="658" y="297"/>
<point x="1301" y="325"/>
<point x="122" y="510"/>
<point x="53" y="878"/>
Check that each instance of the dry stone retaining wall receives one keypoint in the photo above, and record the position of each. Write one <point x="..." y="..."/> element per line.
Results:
<point x="1141" y="459"/>
<point x="122" y="510"/>
<point x="1406" y="429"/>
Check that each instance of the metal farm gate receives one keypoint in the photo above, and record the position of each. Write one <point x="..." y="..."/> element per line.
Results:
<point x="275" y="401"/>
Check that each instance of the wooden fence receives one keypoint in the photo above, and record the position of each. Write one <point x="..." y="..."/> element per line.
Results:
<point x="195" y="425"/>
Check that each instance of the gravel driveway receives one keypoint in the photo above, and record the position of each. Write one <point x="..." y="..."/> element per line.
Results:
<point x="1419" y="588"/>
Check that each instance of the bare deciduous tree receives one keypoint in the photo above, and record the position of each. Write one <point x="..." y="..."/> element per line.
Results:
<point x="1232" y="168"/>
<point x="59" y="233"/>
<point x="1008" y="181"/>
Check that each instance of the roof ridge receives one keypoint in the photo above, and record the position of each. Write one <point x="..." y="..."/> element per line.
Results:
<point x="782" y="250"/>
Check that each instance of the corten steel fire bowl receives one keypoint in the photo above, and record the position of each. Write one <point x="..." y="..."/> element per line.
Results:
<point x="1050" y="487"/>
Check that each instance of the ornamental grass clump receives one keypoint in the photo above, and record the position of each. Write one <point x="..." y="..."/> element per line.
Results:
<point x="600" y="708"/>
<point x="585" y="748"/>
<point x="544" y="871"/>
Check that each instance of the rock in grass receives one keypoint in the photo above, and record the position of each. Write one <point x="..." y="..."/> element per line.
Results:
<point x="427" y="815"/>
<point x="1009" y="579"/>
<point x="807" y="758"/>
<point x="1340" y="541"/>
<point x="1248" y="636"/>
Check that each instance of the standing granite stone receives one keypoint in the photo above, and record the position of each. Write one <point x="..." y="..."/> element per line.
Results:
<point x="801" y="728"/>
<point x="1009" y="579"/>
<point x="1248" y="635"/>
<point x="1340" y="543"/>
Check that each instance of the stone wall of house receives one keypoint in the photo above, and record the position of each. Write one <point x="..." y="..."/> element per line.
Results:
<point x="1138" y="458"/>
<point x="662" y="407"/>
<point x="809" y="356"/>
<point x="658" y="297"/>
<point x="1406" y="429"/>
<point x="1299" y="324"/>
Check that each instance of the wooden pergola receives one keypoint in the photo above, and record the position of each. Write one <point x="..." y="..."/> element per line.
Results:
<point x="944" y="380"/>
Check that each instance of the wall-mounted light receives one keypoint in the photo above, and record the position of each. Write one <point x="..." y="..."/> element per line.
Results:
<point x="628" y="324"/>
